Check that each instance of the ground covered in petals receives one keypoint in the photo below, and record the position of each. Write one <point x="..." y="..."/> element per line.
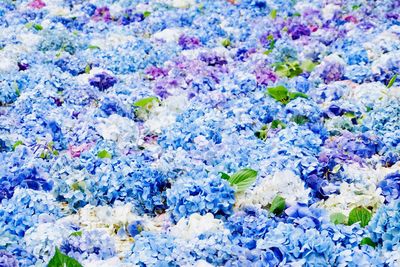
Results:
<point x="199" y="133"/>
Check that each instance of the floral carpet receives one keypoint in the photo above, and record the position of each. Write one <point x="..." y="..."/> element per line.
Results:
<point x="199" y="133"/>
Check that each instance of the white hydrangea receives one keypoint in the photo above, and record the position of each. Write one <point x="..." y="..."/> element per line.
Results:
<point x="367" y="174"/>
<point x="179" y="3"/>
<point x="202" y="263"/>
<point x="368" y="93"/>
<point x="283" y="183"/>
<point x="352" y="196"/>
<point x="110" y="218"/>
<point x="164" y="115"/>
<point x="328" y="12"/>
<point x="119" y="129"/>
<point x="114" y="261"/>
<point x="385" y="41"/>
<point x="168" y="35"/>
<point x="42" y="239"/>
<point x="195" y="225"/>
<point x="112" y="40"/>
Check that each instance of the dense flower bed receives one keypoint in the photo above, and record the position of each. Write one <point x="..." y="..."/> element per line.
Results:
<point x="199" y="133"/>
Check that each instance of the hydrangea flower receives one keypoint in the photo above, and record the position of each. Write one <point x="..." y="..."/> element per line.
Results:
<point x="7" y="259"/>
<point x="90" y="245"/>
<point x="384" y="226"/>
<point x="391" y="186"/>
<point x="210" y="195"/>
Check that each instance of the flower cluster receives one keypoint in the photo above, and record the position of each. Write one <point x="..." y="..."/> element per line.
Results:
<point x="94" y="244"/>
<point x="206" y="195"/>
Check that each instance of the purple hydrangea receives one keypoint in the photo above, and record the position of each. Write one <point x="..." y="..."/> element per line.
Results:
<point x="7" y="259"/>
<point x="298" y="30"/>
<point x="187" y="42"/>
<point x="103" y="81"/>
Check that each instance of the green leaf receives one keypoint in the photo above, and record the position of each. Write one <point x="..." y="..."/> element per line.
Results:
<point x="278" y="205"/>
<point x="17" y="91"/>
<point x="87" y="69"/>
<point x="308" y="65"/>
<point x="38" y="27"/>
<point x="391" y="82"/>
<point x="277" y="123"/>
<point x="17" y="144"/>
<point x="147" y="102"/>
<point x="77" y="233"/>
<point x="360" y="214"/>
<point x="279" y="93"/>
<point x="267" y="52"/>
<point x="61" y="260"/>
<point x="300" y="119"/>
<point x="224" y="176"/>
<point x="261" y="134"/>
<point x="288" y="69"/>
<point x="78" y="186"/>
<point x="242" y="179"/>
<point x="273" y="13"/>
<point x="91" y="47"/>
<point x="336" y="169"/>
<point x="146" y="14"/>
<point x="294" y="95"/>
<point x="355" y="7"/>
<point x="104" y="154"/>
<point x="368" y="241"/>
<point x="226" y="42"/>
<point x="338" y="218"/>
<point x="350" y="115"/>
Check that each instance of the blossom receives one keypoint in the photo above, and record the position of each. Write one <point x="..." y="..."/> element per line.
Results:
<point x="7" y="259"/>
<point x="93" y="244"/>
<point x="210" y="195"/>
<point x="351" y="196"/>
<point x="196" y="225"/>
<point x="391" y="186"/>
<point x="103" y="81"/>
<point x="283" y="183"/>
<point x="384" y="226"/>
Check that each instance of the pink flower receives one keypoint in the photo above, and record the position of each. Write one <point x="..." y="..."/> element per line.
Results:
<point x="351" y="18"/>
<point x="265" y="76"/>
<point x="37" y="4"/>
<point x="75" y="151"/>
<point x="102" y="14"/>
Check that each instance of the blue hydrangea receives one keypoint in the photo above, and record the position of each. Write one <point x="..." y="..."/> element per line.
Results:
<point x="153" y="249"/>
<point x="385" y="226"/>
<point x="208" y="195"/>
<point x="16" y="173"/>
<point x="391" y="186"/>
<point x="21" y="212"/>
<point x="94" y="244"/>
<point x="8" y="93"/>
<point x="310" y="247"/>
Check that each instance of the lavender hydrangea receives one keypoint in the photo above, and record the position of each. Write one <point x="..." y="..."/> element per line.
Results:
<point x="7" y="259"/>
